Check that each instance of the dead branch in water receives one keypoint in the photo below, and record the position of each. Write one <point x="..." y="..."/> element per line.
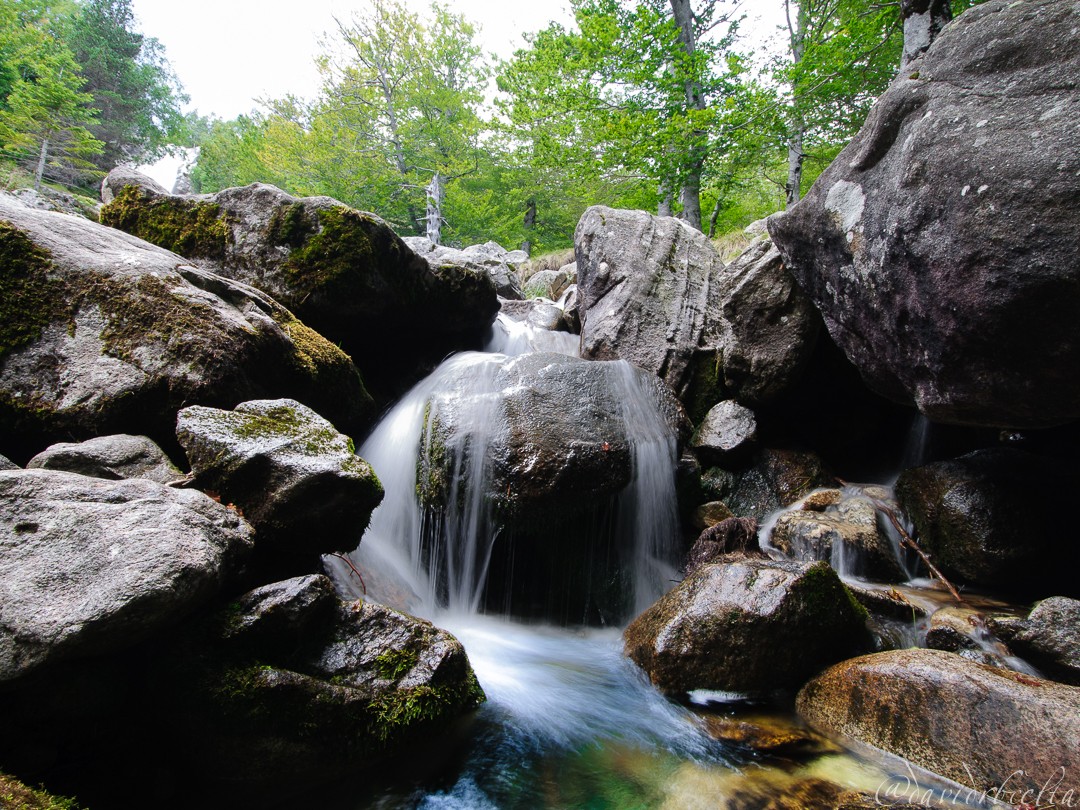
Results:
<point x="907" y="541"/>
<point x="349" y="563"/>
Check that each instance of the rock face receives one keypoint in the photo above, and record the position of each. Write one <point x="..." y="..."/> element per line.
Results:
<point x="344" y="272"/>
<point x="112" y="457"/>
<point x="291" y="683"/>
<point x="746" y="625"/>
<point x="1049" y="638"/>
<point x="295" y="478"/>
<point x="551" y="283"/>
<point x="560" y="440"/>
<point x="104" y="333"/>
<point x="994" y="518"/>
<point x="939" y="245"/>
<point x="655" y="293"/>
<point x="90" y="566"/>
<point x="983" y="727"/>
<point x="727" y="431"/>
<point x="490" y="259"/>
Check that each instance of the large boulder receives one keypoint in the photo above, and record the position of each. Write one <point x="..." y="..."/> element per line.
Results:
<point x="294" y="477"/>
<point x="290" y="683"/>
<point x="103" y="333"/>
<point x="89" y="566"/>
<point x="113" y="457"/>
<point x="344" y="272"/>
<point x="1049" y="638"/>
<point x="490" y="259"/>
<point x="940" y="244"/>
<point x="994" y="518"/>
<point x="747" y="625"/>
<point x="654" y="292"/>
<point x="984" y="727"/>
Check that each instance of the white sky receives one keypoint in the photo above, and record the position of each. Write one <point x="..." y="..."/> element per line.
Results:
<point x="229" y="53"/>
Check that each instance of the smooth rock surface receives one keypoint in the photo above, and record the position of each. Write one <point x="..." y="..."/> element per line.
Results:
<point x="296" y="479"/>
<point x="983" y="727"/>
<point x="746" y="625"/>
<point x="1049" y="638"/>
<point x="727" y="431"/>
<point x="940" y="244"/>
<point x="654" y="292"/>
<point x="112" y="457"/>
<point x="89" y="566"/>
<point x="114" y="335"/>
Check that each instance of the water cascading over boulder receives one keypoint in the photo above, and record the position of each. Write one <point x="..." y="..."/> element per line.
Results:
<point x="655" y="292"/>
<point x="940" y="245"/>
<point x="105" y="333"/>
<point x="343" y="271"/>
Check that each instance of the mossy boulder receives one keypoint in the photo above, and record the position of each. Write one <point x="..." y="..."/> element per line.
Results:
<point x="294" y="477"/>
<point x="994" y="518"/>
<point x="747" y="624"/>
<point x="654" y="292"/>
<point x="342" y="271"/>
<point x="104" y="333"/>
<point x="290" y="683"/>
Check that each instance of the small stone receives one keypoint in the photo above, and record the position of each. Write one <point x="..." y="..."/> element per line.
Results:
<point x="728" y="430"/>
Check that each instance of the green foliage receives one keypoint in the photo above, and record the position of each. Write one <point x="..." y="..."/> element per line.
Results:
<point x="393" y="664"/>
<point x="14" y="795"/>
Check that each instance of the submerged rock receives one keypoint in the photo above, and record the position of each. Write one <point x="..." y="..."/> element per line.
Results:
<point x="112" y="457"/>
<point x="109" y="334"/>
<point x="343" y="271"/>
<point x="986" y="728"/>
<point x="1049" y="638"/>
<point x="994" y="518"/>
<point x="747" y="625"/>
<point x="290" y="683"/>
<point x="89" y="566"/>
<point x="940" y="244"/>
<point x="654" y="292"/>
<point x="290" y="472"/>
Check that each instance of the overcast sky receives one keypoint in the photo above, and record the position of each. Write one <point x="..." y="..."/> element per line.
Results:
<point x="230" y="53"/>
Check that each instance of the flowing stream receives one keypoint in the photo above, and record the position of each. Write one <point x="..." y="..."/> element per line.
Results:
<point x="569" y="721"/>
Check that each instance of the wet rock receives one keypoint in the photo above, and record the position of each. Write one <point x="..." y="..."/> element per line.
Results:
<point x="1049" y="638"/>
<point x="344" y="272"/>
<point x="769" y="734"/>
<point x="746" y="625"/>
<point x="729" y="536"/>
<point x="854" y="800"/>
<point x="570" y="304"/>
<point x="964" y="632"/>
<point x="491" y="259"/>
<point x="776" y="478"/>
<point x="994" y="518"/>
<point x="549" y="283"/>
<point x="654" y="292"/>
<point x="294" y="477"/>
<point x="115" y="335"/>
<point x="727" y="432"/>
<point x="928" y="244"/>
<point x="709" y="514"/>
<point x="89" y="566"/>
<point x="889" y="603"/>
<point x="847" y="534"/>
<point x="538" y="313"/>
<point x="290" y="683"/>
<point x="981" y="726"/>
<point x="112" y="457"/>
<point x="560" y="442"/>
<point x="821" y="500"/>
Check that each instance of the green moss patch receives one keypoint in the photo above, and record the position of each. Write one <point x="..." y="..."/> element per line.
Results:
<point x="332" y="255"/>
<point x="191" y="228"/>
<point x="14" y="795"/>
<point x="29" y="298"/>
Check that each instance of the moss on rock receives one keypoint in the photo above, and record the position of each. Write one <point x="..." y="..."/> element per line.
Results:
<point x="30" y="298"/>
<point x="192" y="228"/>
<point x="14" y="795"/>
<point x="327" y="259"/>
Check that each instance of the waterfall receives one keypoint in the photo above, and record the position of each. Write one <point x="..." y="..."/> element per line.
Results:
<point x="437" y="557"/>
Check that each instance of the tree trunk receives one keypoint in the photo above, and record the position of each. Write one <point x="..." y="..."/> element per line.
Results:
<point x="795" y="158"/>
<point x="796" y="124"/>
<point x="690" y="194"/>
<point x="923" y="21"/>
<point x="666" y="206"/>
<point x="529" y="223"/>
<point x="434" y="210"/>
<point x="43" y="157"/>
<point x="715" y="216"/>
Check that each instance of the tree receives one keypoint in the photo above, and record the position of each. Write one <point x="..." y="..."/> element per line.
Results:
<point x="44" y="117"/>
<point x="134" y="89"/>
